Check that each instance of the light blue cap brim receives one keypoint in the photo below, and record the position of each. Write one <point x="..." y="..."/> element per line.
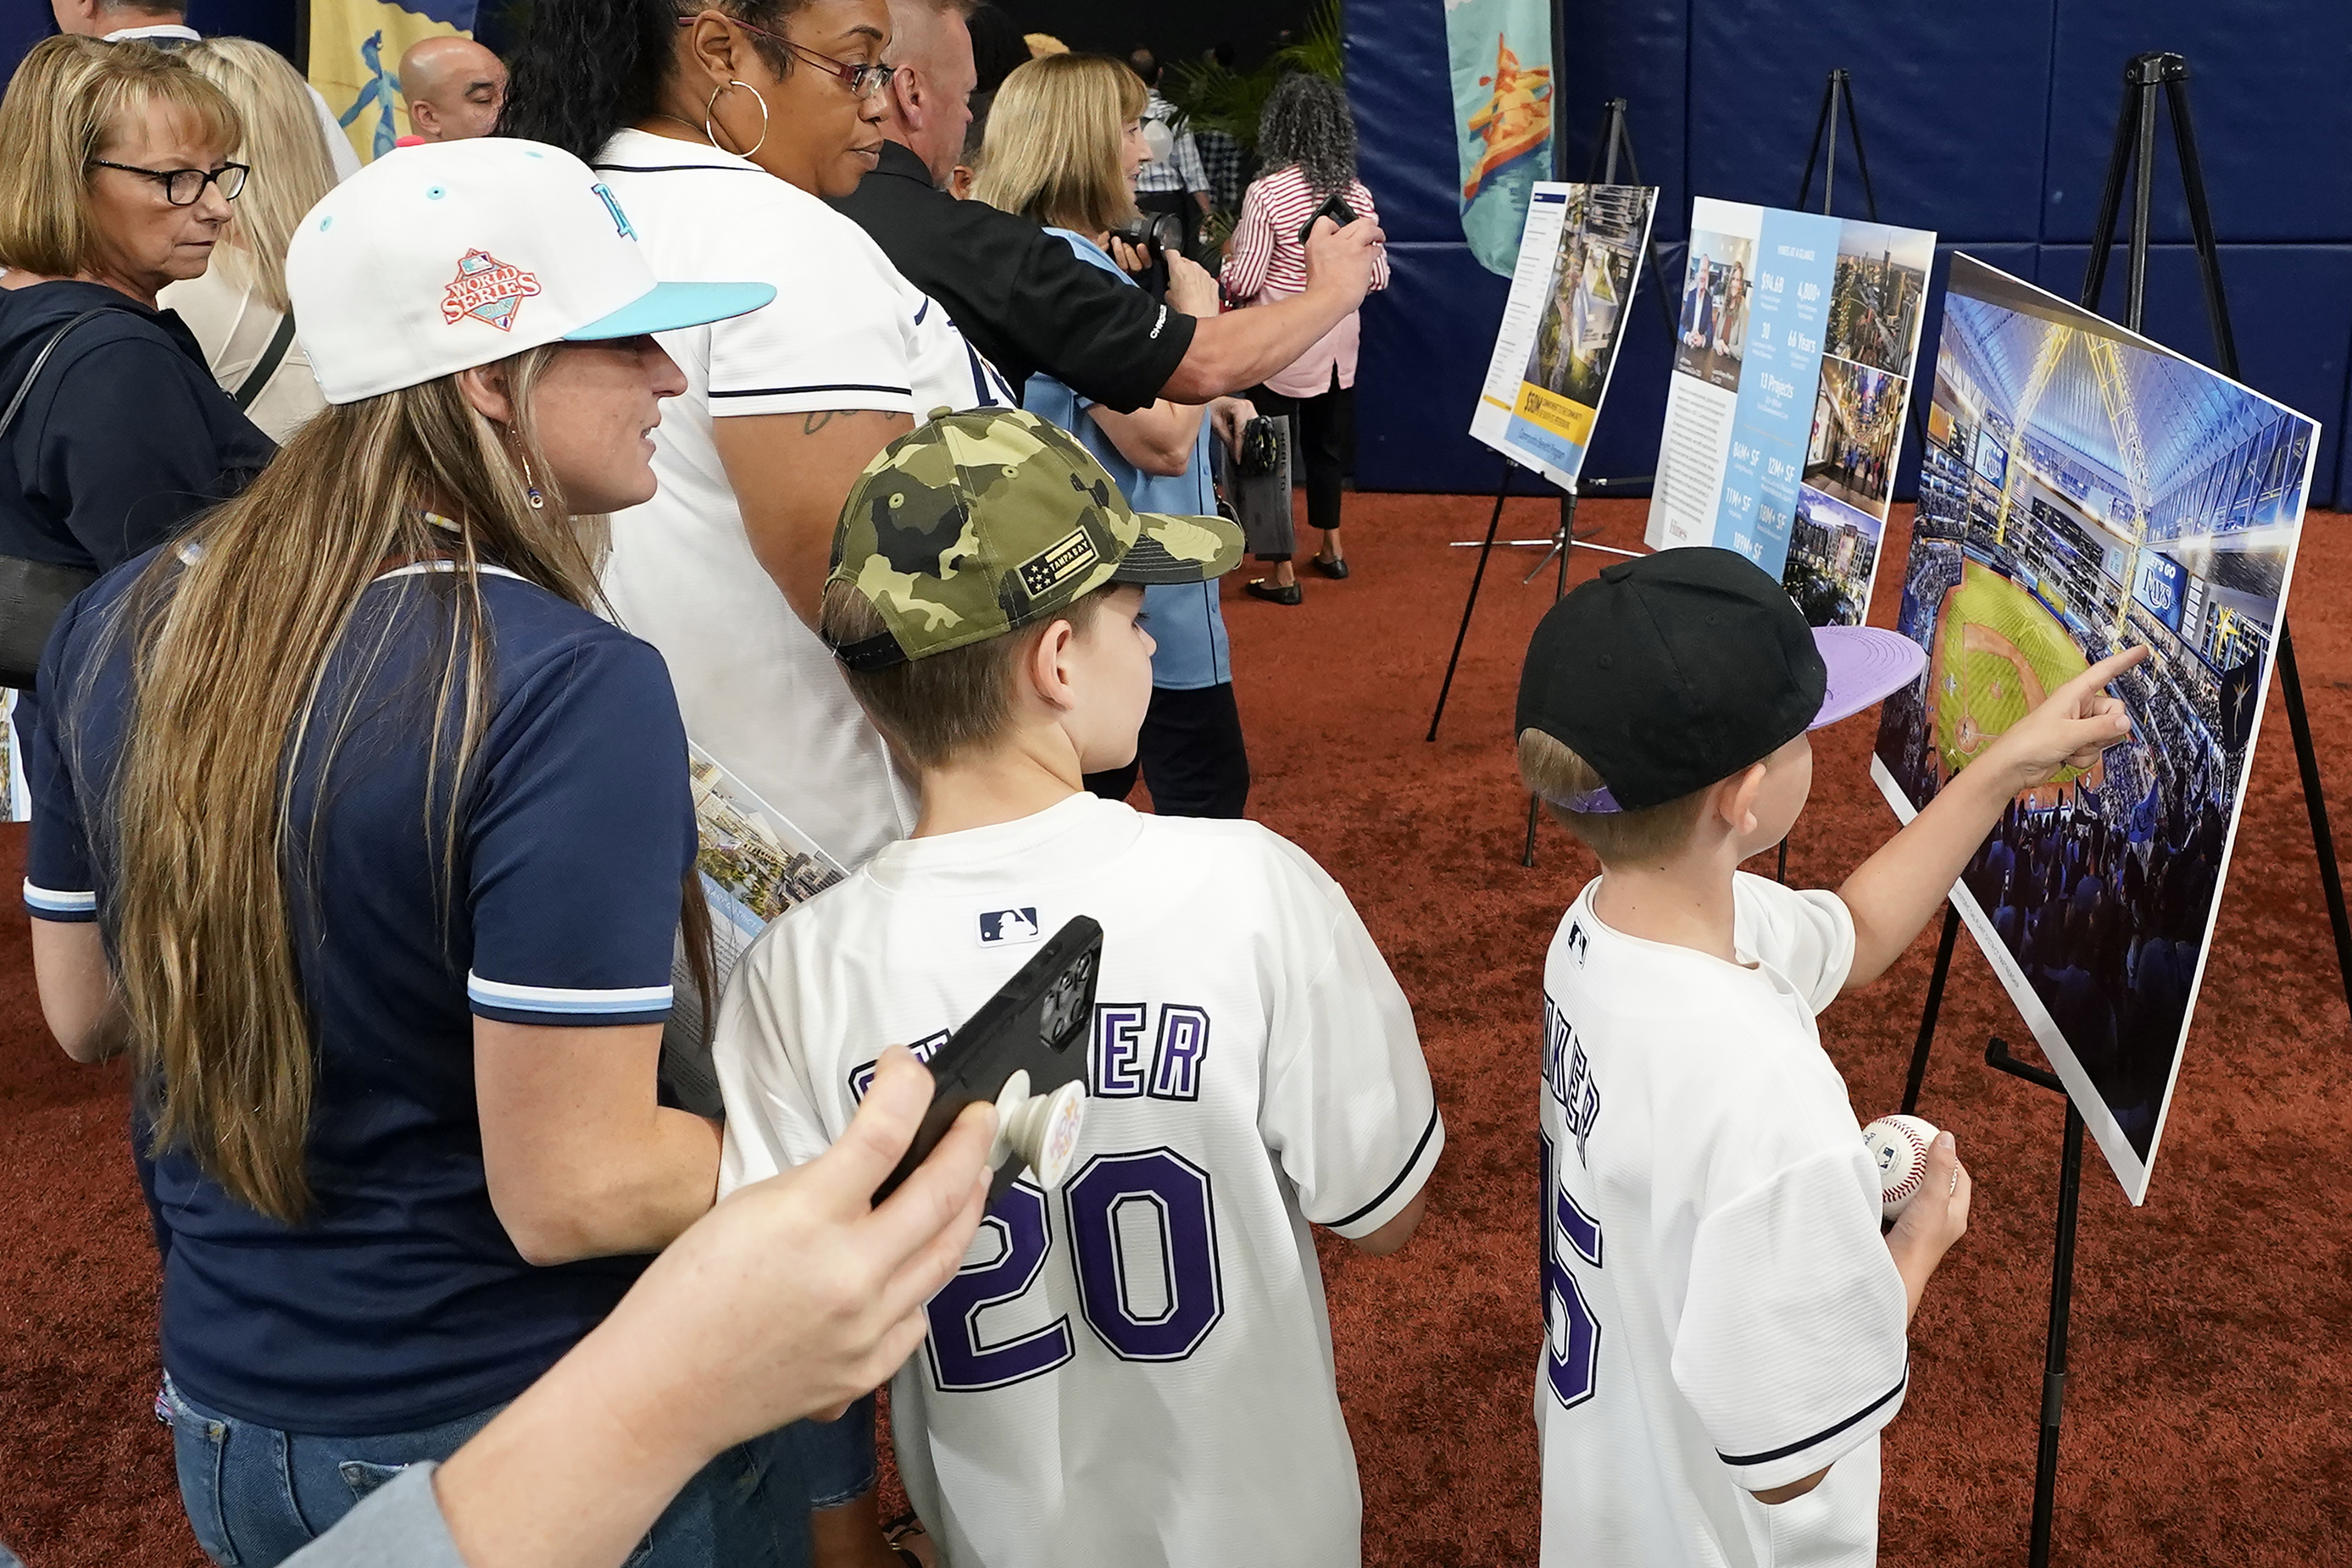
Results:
<point x="669" y="306"/>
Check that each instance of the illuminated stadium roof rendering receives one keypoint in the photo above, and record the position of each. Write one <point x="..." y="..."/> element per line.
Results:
<point x="2201" y="456"/>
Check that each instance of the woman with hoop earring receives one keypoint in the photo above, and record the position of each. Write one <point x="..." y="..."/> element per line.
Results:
<point x="723" y="131"/>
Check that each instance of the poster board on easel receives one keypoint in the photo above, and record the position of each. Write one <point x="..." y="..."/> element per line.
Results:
<point x="1795" y="344"/>
<point x="2085" y="489"/>
<point x="1556" y="350"/>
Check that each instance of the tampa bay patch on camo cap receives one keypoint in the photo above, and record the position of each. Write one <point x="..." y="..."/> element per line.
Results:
<point x="976" y="524"/>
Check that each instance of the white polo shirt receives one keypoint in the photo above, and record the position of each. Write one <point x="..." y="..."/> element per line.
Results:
<point x="1721" y="1315"/>
<point x="1135" y="1368"/>
<point x="761" y="693"/>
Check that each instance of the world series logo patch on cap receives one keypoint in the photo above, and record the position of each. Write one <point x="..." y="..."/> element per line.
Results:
<point x="488" y="290"/>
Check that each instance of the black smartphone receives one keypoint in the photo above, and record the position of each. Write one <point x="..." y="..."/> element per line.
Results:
<point x="1036" y="1023"/>
<point x="1335" y="209"/>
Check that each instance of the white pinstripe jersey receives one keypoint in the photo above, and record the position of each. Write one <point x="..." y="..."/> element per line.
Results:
<point x="1135" y="1369"/>
<point x="1721" y="1315"/>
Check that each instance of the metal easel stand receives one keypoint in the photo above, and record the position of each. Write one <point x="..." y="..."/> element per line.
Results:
<point x="2135" y="153"/>
<point x="1615" y="143"/>
<point x="1837" y="94"/>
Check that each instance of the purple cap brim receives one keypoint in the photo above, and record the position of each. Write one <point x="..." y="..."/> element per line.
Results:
<point x="1866" y="664"/>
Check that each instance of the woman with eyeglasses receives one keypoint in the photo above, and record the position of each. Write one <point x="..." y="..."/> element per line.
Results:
<point x="115" y="181"/>
<point x="723" y="130"/>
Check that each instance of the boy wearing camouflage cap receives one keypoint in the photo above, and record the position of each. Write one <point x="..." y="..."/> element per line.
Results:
<point x="1137" y="1367"/>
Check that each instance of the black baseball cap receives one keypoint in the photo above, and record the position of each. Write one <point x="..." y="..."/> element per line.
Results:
<point x="1673" y="671"/>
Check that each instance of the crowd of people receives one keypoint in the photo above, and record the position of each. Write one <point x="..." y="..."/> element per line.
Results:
<point x="699" y="377"/>
<point x="439" y="512"/>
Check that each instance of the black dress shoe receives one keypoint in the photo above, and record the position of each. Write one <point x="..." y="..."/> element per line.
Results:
<point x="1331" y="568"/>
<point x="1288" y="593"/>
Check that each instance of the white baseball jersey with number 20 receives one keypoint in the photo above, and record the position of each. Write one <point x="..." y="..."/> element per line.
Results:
<point x="1135" y="1369"/>
<point x="1722" y="1317"/>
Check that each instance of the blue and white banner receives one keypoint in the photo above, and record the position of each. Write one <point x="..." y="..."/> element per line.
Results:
<point x="1500" y="51"/>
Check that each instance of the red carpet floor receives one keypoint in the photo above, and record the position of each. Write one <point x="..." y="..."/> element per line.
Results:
<point x="2211" y="1369"/>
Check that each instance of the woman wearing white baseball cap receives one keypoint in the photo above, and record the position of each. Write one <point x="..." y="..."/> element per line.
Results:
<point x="372" y="843"/>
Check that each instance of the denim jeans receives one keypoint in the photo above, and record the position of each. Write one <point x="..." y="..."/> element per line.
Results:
<point x="836" y="1457"/>
<point x="255" y="1495"/>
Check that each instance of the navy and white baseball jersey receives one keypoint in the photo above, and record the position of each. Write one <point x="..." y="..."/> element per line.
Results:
<point x="1721" y="1315"/>
<point x="1136" y="1368"/>
<point x="402" y="1303"/>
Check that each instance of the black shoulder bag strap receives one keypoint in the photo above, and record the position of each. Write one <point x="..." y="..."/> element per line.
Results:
<point x="266" y="365"/>
<point x="8" y="414"/>
<point x="34" y="594"/>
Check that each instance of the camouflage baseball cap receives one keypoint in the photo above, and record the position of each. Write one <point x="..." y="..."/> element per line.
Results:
<point x="976" y="524"/>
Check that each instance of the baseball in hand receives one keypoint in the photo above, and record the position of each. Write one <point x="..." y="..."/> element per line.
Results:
<point x="1899" y="1146"/>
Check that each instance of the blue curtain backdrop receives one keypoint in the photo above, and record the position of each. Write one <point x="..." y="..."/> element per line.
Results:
<point x="1990" y="123"/>
<point x="23" y="23"/>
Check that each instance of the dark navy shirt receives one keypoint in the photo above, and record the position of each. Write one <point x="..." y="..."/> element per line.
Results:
<point x="123" y="437"/>
<point x="403" y="1304"/>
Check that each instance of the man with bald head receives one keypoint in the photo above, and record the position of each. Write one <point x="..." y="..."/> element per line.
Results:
<point x="1023" y="296"/>
<point x="454" y="88"/>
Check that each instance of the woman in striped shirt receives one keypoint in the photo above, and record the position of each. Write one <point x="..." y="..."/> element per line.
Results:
<point x="1306" y="143"/>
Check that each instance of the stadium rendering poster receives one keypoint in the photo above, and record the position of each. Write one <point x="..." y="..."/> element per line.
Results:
<point x="1580" y="259"/>
<point x="2086" y="490"/>
<point x="1793" y="358"/>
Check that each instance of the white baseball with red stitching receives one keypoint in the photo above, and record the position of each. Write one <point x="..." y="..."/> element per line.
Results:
<point x="1899" y="1146"/>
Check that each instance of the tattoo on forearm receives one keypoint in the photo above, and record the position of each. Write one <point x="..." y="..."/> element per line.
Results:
<point x="812" y="423"/>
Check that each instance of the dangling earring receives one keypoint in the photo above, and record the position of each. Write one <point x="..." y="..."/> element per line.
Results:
<point x="711" y="135"/>
<point x="531" y="490"/>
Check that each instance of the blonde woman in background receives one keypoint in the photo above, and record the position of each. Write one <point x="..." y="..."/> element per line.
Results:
<point x="237" y="309"/>
<point x="1064" y="146"/>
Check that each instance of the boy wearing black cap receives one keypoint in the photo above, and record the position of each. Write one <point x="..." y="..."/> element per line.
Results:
<point x="1725" y="1328"/>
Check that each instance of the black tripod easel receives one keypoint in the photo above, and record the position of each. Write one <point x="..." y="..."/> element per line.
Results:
<point x="1615" y="143"/>
<point x="2145" y="76"/>
<point x="1837" y="92"/>
<point x="1837" y="101"/>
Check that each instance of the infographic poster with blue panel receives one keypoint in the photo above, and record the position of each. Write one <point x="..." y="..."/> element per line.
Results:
<point x="1579" y="261"/>
<point x="1793" y="355"/>
<point x="2086" y="490"/>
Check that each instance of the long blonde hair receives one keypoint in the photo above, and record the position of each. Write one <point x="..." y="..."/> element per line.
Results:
<point x="1053" y="144"/>
<point x="66" y="105"/>
<point x="284" y="145"/>
<point x="231" y="636"/>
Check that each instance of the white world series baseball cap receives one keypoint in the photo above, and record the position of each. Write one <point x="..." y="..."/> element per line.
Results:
<point x="438" y="258"/>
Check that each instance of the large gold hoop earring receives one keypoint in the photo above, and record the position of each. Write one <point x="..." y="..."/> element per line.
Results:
<point x="709" y="133"/>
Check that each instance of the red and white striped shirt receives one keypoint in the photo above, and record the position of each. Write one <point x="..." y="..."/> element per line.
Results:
<point x="1267" y="256"/>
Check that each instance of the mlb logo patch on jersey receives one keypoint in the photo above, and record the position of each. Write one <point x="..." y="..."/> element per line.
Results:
<point x="1576" y="943"/>
<point x="1002" y="928"/>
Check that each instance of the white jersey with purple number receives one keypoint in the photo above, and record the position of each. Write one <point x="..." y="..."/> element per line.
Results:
<point x="1722" y="1317"/>
<point x="1135" y="1369"/>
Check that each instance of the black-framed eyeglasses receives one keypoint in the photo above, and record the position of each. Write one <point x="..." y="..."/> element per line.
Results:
<point x="863" y="81"/>
<point x="184" y="188"/>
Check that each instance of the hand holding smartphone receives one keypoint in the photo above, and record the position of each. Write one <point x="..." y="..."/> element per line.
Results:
<point x="1034" y="1028"/>
<point x="1336" y="210"/>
